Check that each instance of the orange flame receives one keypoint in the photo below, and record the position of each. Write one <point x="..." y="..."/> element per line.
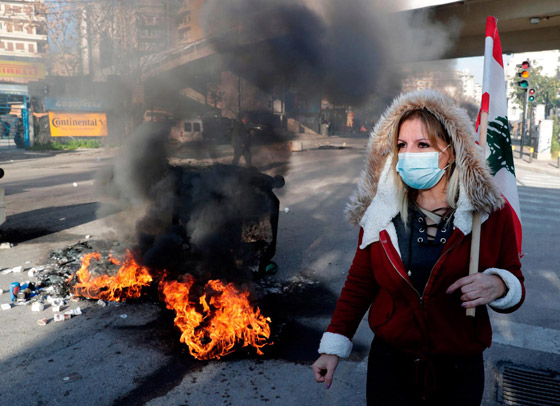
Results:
<point x="126" y="284"/>
<point x="225" y="320"/>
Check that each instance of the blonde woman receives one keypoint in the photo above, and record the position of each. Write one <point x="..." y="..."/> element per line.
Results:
<point x="424" y="178"/>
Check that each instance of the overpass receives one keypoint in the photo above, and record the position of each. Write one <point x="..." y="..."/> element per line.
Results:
<point x="524" y="25"/>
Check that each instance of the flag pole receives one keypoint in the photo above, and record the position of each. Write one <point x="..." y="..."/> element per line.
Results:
<point x="475" y="241"/>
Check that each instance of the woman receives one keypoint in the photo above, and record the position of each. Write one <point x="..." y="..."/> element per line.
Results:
<point x="423" y="179"/>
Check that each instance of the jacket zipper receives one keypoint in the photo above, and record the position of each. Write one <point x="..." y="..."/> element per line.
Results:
<point x="432" y="270"/>
<point x="396" y="270"/>
<point x="420" y="296"/>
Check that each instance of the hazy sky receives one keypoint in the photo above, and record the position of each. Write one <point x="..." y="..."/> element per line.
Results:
<point x="474" y="64"/>
<point x="426" y="3"/>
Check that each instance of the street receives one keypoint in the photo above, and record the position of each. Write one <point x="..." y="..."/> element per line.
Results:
<point x="131" y="354"/>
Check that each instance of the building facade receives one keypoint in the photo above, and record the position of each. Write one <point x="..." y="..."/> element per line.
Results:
<point x="460" y="85"/>
<point x="22" y="41"/>
<point x="189" y="26"/>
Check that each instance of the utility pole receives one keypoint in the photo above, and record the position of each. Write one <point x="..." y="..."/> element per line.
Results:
<point x="524" y="74"/>
<point x="524" y="123"/>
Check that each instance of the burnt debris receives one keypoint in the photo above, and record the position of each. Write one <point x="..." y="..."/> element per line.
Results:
<point x="223" y="224"/>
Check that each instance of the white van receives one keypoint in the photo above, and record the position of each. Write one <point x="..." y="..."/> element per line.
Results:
<point x="187" y="131"/>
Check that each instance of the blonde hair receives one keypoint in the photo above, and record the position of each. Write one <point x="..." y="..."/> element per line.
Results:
<point x="436" y="131"/>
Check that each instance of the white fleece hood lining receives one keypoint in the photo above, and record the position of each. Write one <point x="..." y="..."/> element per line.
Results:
<point x="384" y="207"/>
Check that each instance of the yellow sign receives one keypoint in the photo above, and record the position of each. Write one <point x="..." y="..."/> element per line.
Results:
<point x="22" y="70"/>
<point x="78" y="125"/>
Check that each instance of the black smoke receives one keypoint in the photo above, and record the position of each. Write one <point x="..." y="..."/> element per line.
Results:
<point x="347" y="51"/>
<point x="211" y="221"/>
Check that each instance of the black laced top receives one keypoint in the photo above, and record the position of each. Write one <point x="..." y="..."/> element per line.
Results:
<point x="421" y="243"/>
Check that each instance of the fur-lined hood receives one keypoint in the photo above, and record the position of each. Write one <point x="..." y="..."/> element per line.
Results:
<point x="374" y="204"/>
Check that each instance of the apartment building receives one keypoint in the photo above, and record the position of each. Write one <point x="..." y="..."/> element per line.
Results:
<point x="22" y="32"/>
<point x="22" y="41"/>
<point x="189" y="27"/>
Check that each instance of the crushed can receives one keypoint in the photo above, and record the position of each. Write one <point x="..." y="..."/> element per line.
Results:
<point x="14" y="290"/>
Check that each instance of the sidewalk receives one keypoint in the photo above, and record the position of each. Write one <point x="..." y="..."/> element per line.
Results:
<point x="359" y="140"/>
<point x="539" y="166"/>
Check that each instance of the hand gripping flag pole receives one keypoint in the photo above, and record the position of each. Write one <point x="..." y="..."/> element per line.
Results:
<point x="494" y="138"/>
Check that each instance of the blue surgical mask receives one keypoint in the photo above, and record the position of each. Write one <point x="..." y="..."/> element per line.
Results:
<point x="420" y="170"/>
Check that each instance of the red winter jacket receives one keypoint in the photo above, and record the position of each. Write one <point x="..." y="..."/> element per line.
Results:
<point x="430" y="322"/>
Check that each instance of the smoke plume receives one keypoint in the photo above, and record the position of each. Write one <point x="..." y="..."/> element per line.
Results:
<point x="347" y="50"/>
<point x="353" y="52"/>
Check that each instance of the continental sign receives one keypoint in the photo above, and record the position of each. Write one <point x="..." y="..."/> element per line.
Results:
<point x="22" y="70"/>
<point x="78" y="125"/>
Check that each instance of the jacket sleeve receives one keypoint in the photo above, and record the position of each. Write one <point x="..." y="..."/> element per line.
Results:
<point x="355" y="298"/>
<point x="509" y="267"/>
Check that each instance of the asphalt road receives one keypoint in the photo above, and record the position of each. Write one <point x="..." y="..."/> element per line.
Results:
<point x="104" y="357"/>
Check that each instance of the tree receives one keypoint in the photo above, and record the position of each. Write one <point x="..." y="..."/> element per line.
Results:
<point x="62" y="25"/>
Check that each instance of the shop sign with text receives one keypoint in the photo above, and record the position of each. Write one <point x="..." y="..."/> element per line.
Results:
<point x="21" y="70"/>
<point x="78" y="125"/>
<point x="72" y="104"/>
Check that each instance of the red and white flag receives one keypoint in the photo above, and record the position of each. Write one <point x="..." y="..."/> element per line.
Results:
<point x="494" y="101"/>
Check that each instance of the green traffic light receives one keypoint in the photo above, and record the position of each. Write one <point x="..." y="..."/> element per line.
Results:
<point x="523" y="84"/>
<point x="531" y="98"/>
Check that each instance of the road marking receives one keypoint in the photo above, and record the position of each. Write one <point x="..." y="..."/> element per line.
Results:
<point x="526" y="336"/>
<point x="541" y="181"/>
<point x="539" y="215"/>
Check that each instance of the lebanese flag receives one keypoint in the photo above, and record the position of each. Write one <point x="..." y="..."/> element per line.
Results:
<point x="494" y="101"/>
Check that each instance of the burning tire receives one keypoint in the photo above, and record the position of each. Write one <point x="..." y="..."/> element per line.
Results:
<point x="230" y="214"/>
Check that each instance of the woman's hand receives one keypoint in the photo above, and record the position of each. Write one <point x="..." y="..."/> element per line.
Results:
<point x="324" y="368"/>
<point x="479" y="289"/>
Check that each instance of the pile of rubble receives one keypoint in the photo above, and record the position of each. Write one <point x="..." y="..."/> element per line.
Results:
<point x="49" y="284"/>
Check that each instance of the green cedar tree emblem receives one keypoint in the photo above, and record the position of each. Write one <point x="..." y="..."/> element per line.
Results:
<point x="499" y="143"/>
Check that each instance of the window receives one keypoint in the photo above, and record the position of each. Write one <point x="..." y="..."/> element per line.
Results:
<point x="31" y="48"/>
<point x="196" y="127"/>
<point x="29" y="29"/>
<point x="9" y="27"/>
<point x="2" y="45"/>
<point x="20" y="46"/>
<point x="19" y="27"/>
<point x="188" y="127"/>
<point x="10" y="46"/>
<point x="17" y="9"/>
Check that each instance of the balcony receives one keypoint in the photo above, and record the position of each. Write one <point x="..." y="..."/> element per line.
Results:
<point x="24" y="18"/>
<point x="21" y="53"/>
<point x="20" y="35"/>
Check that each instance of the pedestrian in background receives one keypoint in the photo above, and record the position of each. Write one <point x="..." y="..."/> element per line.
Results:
<point x="241" y="141"/>
<point x="423" y="179"/>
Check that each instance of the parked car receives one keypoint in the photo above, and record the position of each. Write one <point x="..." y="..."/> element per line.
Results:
<point x="157" y="116"/>
<point x="262" y="123"/>
<point x="217" y="129"/>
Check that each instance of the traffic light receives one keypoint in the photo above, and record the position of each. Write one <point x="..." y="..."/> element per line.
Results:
<point x="524" y="74"/>
<point x="532" y="94"/>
